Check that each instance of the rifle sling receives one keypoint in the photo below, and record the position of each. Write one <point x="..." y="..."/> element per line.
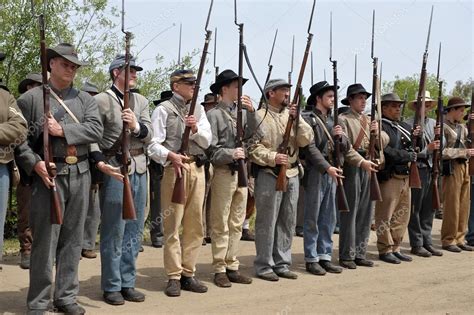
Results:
<point x="61" y="102"/>
<point x="361" y="134"/>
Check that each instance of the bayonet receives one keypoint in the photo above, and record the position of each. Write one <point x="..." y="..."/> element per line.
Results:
<point x="215" y="53"/>
<point x="282" y="180"/>
<point x="355" y="68"/>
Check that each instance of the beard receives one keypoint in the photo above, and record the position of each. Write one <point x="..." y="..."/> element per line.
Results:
<point x="285" y="102"/>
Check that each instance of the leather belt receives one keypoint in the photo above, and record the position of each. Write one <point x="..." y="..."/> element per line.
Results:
<point x="461" y="160"/>
<point x="70" y="159"/>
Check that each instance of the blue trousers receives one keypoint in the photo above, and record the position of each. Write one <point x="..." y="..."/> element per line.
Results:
<point x="319" y="216"/>
<point x="4" y="185"/>
<point x="120" y="239"/>
<point x="470" y="223"/>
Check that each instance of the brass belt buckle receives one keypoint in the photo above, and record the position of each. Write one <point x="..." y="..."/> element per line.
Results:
<point x="71" y="159"/>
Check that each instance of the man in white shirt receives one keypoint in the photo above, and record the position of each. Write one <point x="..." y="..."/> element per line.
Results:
<point x="169" y="121"/>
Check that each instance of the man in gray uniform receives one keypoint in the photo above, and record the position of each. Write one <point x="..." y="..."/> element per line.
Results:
<point x="276" y="210"/>
<point x="120" y="240"/>
<point x="355" y="224"/>
<point x="73" y="124"/>
<point x="422" y="212"/>
<point x="228" y="200"/>
<point x="321" y="180"/>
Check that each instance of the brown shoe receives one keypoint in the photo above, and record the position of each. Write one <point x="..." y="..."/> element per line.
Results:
<point x="452" y="248"/>
<point x="235" y="276"/>
<point x="221" y="280"/>
<point x="247" y="236"/>
<point x="466" y="247"/>
<point x="192" y="284"/>
<point x="173" y="288"/>
<point x="88" y="253"/>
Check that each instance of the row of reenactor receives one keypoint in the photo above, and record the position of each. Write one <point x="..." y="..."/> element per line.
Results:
<point x="86" y="132"/>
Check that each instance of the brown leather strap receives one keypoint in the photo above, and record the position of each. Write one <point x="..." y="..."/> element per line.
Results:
<point x="360" y="136"/>
<point x="71" y="150"/>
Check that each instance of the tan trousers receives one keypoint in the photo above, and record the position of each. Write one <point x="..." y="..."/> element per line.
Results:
<point x="392" y="214"/>
<point x="228" y="205"/>
<point x="456" y="205"/>
<point x="180" y="256"/>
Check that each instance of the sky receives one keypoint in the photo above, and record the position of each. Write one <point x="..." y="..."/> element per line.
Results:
<point x="400" y="37"/>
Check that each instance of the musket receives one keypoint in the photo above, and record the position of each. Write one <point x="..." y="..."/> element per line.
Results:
<point x="179" y="191"/>
<point x="128" y="206"/>
<point x="215" y="54"/>
<point x="290" y="73"/>
<point x="270" y="68"/>
<point x="324" y="74"/>
<point x="242" y="169"/>
<point x="341" y="198"/>
<point x="55" y="206"/>
<point x="471" y="132"/>
<point x="375" y="193"/>
<point x="419" y="119"/>
<point x="312" y="70"/>
<point x="355" y="69"/>
<point x="437" y="153"/>
<point x="282" y="181"/>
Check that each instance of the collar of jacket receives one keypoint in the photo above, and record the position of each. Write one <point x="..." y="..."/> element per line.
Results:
<point x="117" y="92"/>
<point x="275" y="109"/>
<point x="61" y="93"/>
<point x="178" y="100"/>
<point x="356" y="114"/>
<point x="226" y="106"/>
<point x="323" y="117"/>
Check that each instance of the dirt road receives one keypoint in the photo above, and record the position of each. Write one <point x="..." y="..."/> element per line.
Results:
<point x="436" y="285"/>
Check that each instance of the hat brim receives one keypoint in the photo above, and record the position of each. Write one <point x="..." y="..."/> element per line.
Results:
<point x="345" y="100"/>
<point x="208" y="103"/>
<point x="137" y="68"/>
<point x="392" y="101"/>
<point x="51" y="53"/>
<point x="465" y="105"/>
<point x="429" y="104"/>
<point x="215" y="87"/>
<point x="312" y="98"/>
<point x="22" y="87"/>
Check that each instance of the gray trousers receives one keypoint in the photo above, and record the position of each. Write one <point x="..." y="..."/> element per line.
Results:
<point x="156" y="220"/>
<point x="58" y="245"/>
<point x="92" y="219"/>
<point x="355" y="225"/>
<point x="422" y="212"/>
<point x="274" y="223"/>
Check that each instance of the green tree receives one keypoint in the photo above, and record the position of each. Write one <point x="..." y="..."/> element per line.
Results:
<point x="463" y="89"/>
<point x="409" y="86"/>
<point x="89" y="24"/>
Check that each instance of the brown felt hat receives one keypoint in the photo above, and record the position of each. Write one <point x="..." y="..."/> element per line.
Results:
<point x="455" y="101"/>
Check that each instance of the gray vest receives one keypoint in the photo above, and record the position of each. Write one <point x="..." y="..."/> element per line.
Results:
<point x="175" y="128"/>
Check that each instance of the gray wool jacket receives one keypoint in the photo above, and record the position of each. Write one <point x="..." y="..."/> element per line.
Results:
<point x="222" y="119"/>
<point x="88" y="131"/>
